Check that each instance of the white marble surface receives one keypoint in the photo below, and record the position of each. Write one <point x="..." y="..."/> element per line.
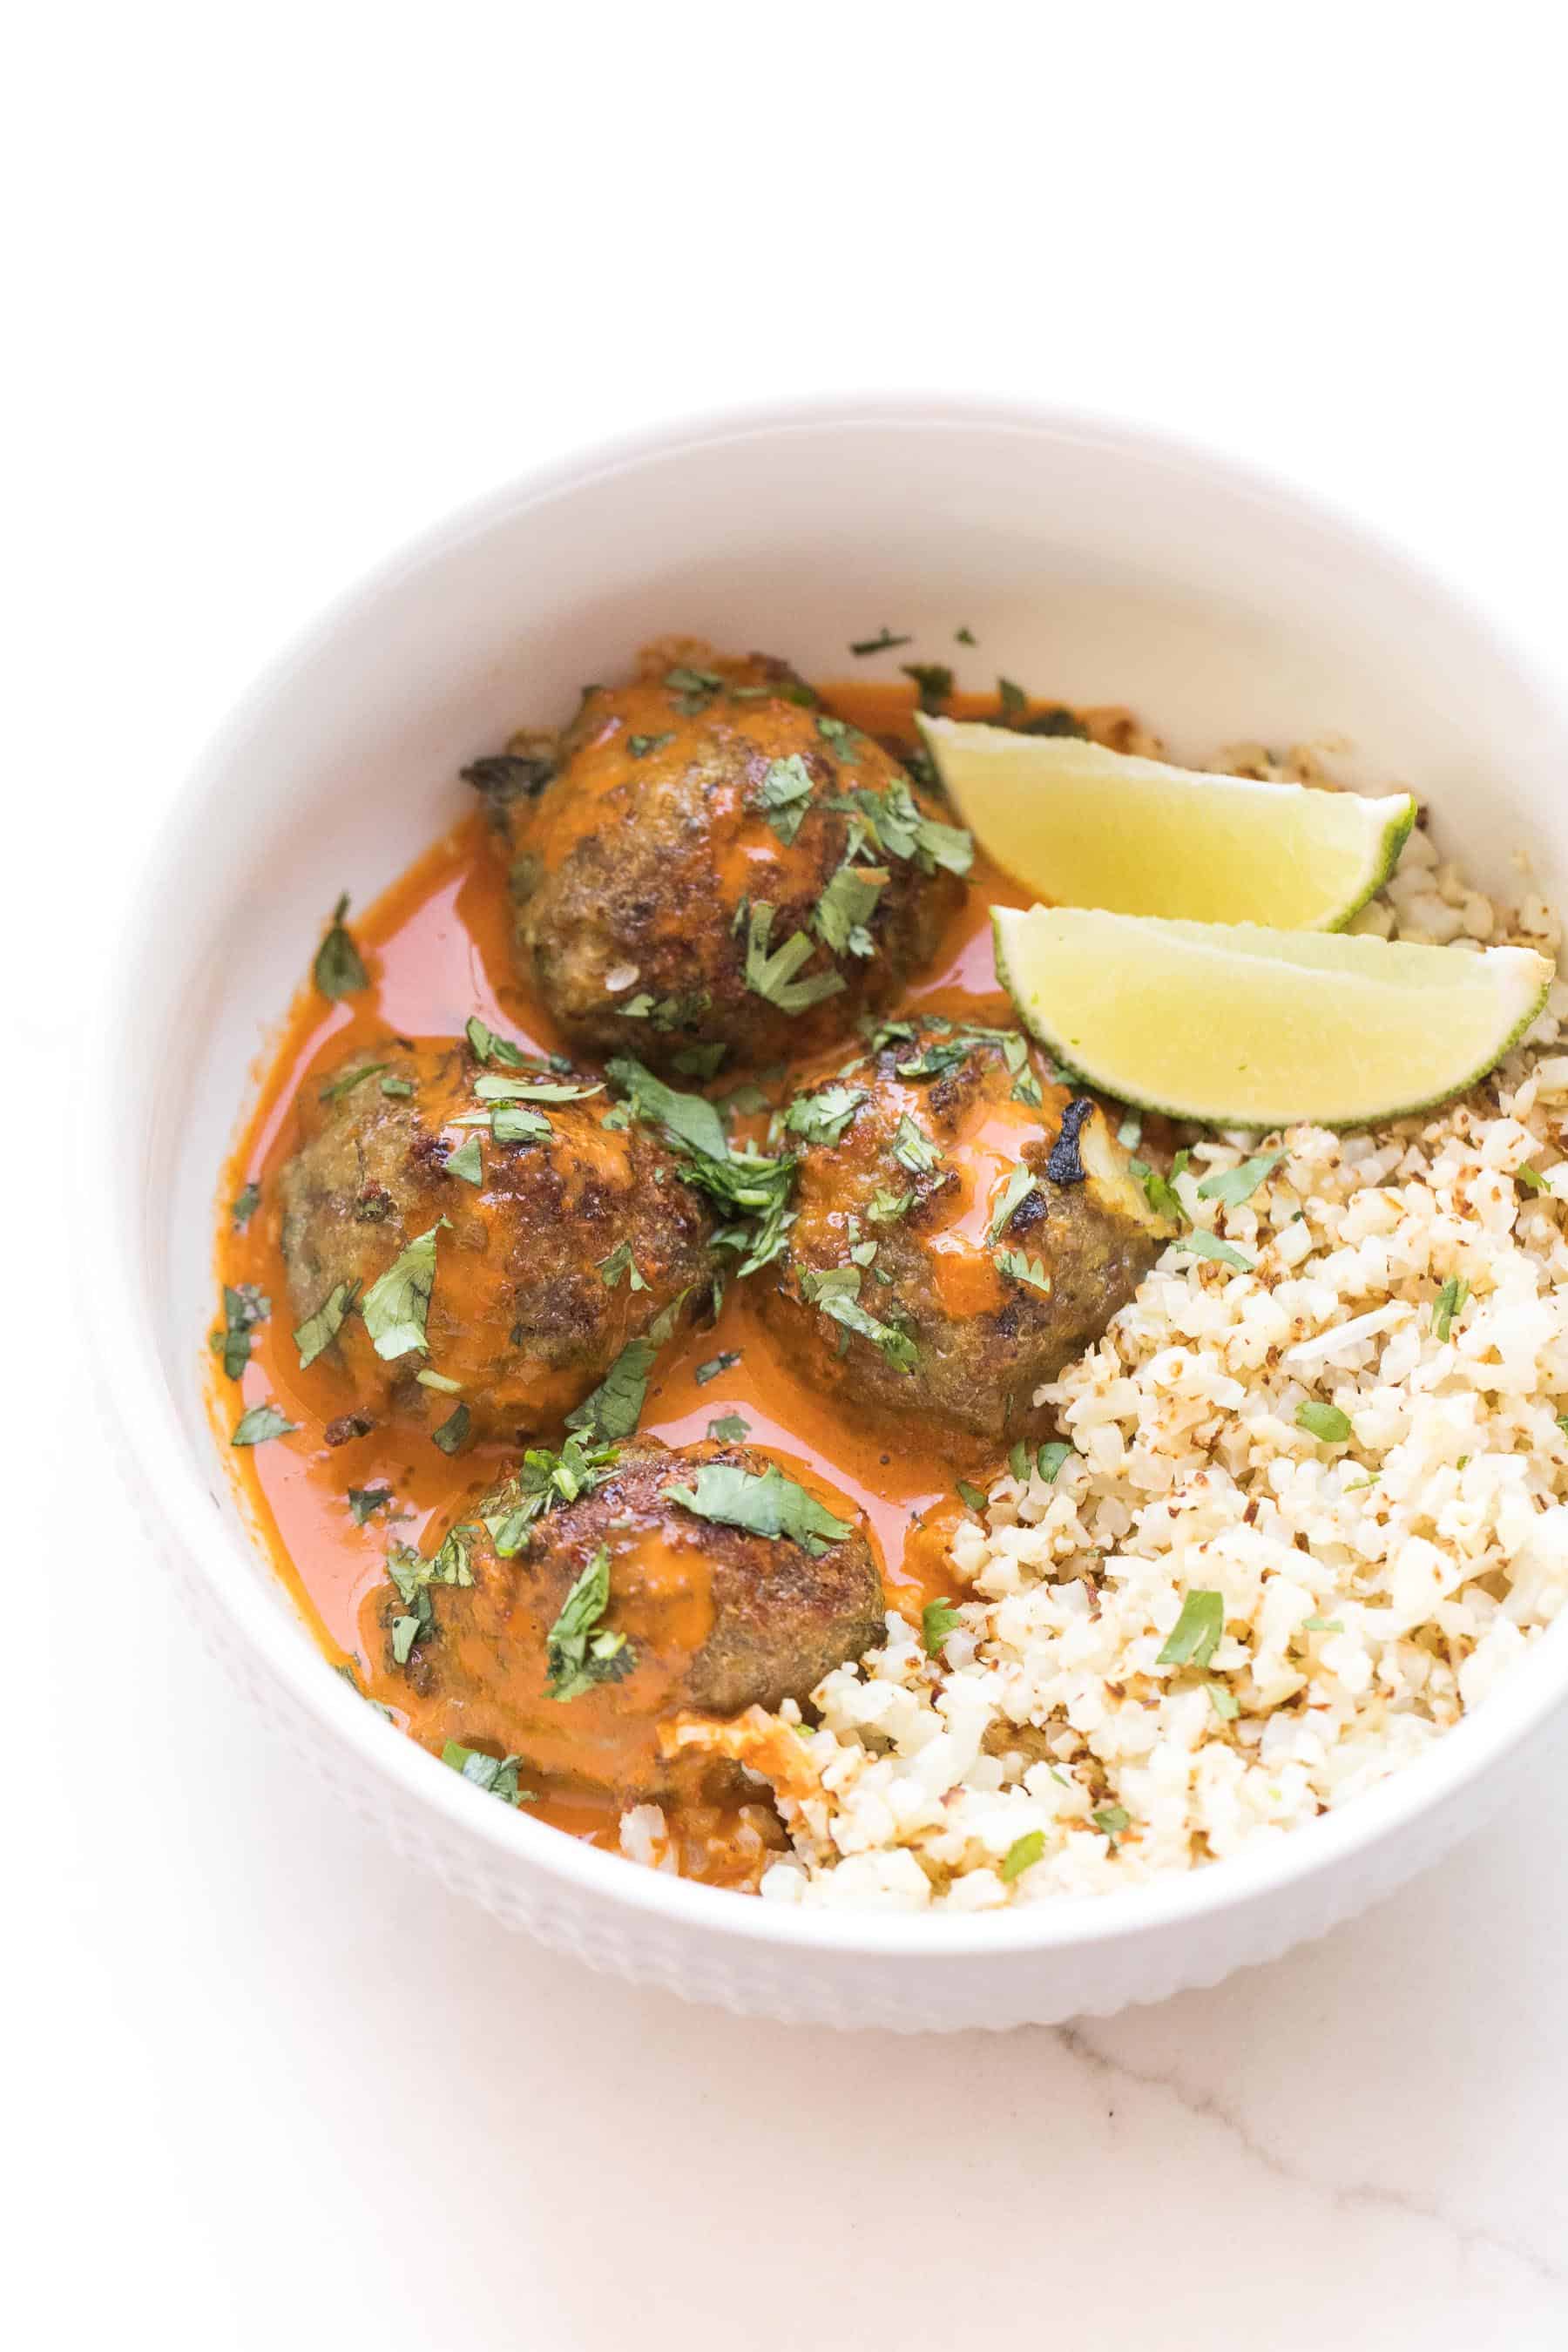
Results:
<point x="289" y="287"/>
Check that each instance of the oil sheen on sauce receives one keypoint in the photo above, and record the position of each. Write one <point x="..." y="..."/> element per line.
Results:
<point x="437" y="947"/>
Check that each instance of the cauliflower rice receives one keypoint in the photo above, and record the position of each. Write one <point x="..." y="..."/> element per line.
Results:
<point x="1373" y="1585"/>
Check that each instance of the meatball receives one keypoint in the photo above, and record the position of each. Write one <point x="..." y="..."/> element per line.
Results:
<point x="586" y="1627"/>
<point x="708" y="857"/>
<point x="424" y="1240"/>
<point x="964" y="1227"/>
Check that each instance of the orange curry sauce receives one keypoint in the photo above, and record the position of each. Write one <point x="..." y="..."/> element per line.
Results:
<point x="436" y="946"/>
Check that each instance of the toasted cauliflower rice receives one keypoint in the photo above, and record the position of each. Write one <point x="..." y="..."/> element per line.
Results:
<point x="1373" y="1585"/>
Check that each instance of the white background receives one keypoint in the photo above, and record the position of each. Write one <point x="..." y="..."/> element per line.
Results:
<point x="285" y="283"/>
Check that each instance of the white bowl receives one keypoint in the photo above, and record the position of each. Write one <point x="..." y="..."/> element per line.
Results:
<point x="1098" y="564"/>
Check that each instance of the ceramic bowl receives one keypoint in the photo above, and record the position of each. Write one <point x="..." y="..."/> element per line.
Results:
<point x="1098" y="564"/>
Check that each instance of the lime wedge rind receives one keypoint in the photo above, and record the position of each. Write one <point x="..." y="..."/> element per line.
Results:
<point x="1244" y="1026"/>
<point x="1086" y="826"/>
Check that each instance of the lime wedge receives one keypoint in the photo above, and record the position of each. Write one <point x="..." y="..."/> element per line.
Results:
<point x="1240" y="1027"/>
<point x="1089" y="827"/>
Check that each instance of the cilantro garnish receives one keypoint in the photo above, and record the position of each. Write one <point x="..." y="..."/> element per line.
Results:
<point x="1051" y="1457"/>
<point x="842" y="740"/>
<point x="516" y="1123"/>
<point x="1232" y="1186"/>
<point x="497" y="1775"/>
<point x="715" y="1365"/>
<point x="933" y="682"/>
<point x="452" y="1434"/>
<point x="319" y="1331"/>
<point x="336" y="1090"/>
<point x="1022" y="1854"/>
<point x="614" y="1409"/>
<point x="543" y="1482"/>
<point x="1451" y="1298"/>
<point x="729" y="1429"/>
<point x="836" y="1293"/>
<point x="639" y="746"/>
<point x="467" y="1161"/>
<point x="1025" y="1269"/>
<point x="763" y="1503"/>
<point x="773" y="974"/>
<point x="823" y="1116"/>
<point x="913" y="1149"/>
<point x="1202" y="1243"/>
<point x="894" y="821"/>
<point x="365" y="1501"/>
<point x="938" y="1619"/>
<point x="244" y="1206"/>
<point x="746" y="1182"/>
<point x="784" y="793"/>
<point x="845" y="908"/>
<point x="1020" y="1183"/>
<point x="1111" y="1820"/>
<point x="1195" y="1635"/>
<point x="702" y="1061"/>
<point x="887" y="1207"/>
<point x="260" y="1423"/>
<point x="620" y="1262"/>
<point x="1013" y="700"/>
<point x="883" y="642"/>
<point x="243" y="1309"/>
<point x="974" y="1498"/>
<point x="488" y="1089"/>
<point x="1326" y="1422"/>
<point x="579" y="1651"/>
<point x="964" y="637"/>
<point x="395" y="1307"/>
<point x="339" y="968"/>
<point x="488" y="1047"/>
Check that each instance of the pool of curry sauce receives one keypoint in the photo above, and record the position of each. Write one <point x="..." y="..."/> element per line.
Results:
<point x="436" y="947"/>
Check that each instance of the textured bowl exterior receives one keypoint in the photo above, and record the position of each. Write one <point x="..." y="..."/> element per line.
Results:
<point x="1107" y="553"/>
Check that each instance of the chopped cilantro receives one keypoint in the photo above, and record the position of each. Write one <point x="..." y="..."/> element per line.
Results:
<point x="773" y="974"/>
<point x="243" y="1309"/>
<point x="1195" y="1635"/>
<point x="467" y="1163"/>
<point x="1025" y="1269"/>
<point x="836" y="1293"/>
<point x="1130" y="1134"/>
<point x="1201" y="1243"/>
<point x="414" y="1626"/>
<point x="336" y="1089"/>
<point x="452" y="1434"/>
<point x="784" y="793"/>
<point x="244" y="1206"/>
<point x="763" y="1503"/>
<point x="488" y="1047"/>
<point x="1111" y="1820"/>
<point x="639" y="746"/>
<point x="394" y="1308"/>
<point x="842" y="740"/>
<point x="823" y="1116"/>
<point x="883" y="642"/>
<point x="319" y="1331"/>
<point x="690" y="1120"/>
<point x="1018" y="1462"/>
<point x="1223" y="1701"/>
<point x="715" y="1365"/>
<point x="1326" y="1422"/>
<point x="1021" y="1855"/>
<point x="261" y="1421"/>
<point x="846" y="908"/>
<point x="1532" y="1179"/>
<point x="516" y="1123"/>
<point x="620" y="1261"/>
<point x="894" y="821"/>
<point x="1019" y="1185"/>
<point x="913" y="1149"/>
<point x="614" y="1409"/>
<point x="729" y="1430"/>
<point x="488" y="1089"/>
<point x="578" y="1650"/>
<point x="1451" y="1298"/>
<point x="497" y="1775"/>
<point x="938" y="1619"/>
<point x="402" y="1088"/>
<point x="887" y="1207"/>
<point x="365" y="1501"/>
<point x="545" y="1480"/>
<point x="964" y="637"/>
<point x="1232" y="1186"/>
<point x="1013" y="701"/>
<point x="702" y="1061"/>
<point x="1323" y="1625"/>
<point x="934" y="682"/>
<point x="339" y="969"/>
<point x="972" y="1498"/>
<point x="1050" y="1457"/>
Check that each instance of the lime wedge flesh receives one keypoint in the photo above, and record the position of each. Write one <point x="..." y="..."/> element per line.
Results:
<point x="1089" y="827"/>
<point x="1240" y="1027"/>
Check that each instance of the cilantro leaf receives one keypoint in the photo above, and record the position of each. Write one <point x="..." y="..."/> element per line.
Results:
<point x="319" y="1331"/>
<point x="729" y="1429"/>
<point x="888" y="1206"/>
<point x="1012" y="702"/>
<point x="1020" y="1183"/>
<point x="974" y="1498"/>
<point x="395" y="1307"/>
<point x="913" y="1149"/>
<point x="243" y="1309"/>
<point x="847" y="906"/>
<point x="497" y="1775"/>
<point x="336" y="1089"/>
<point x="1232" y="1186"/>
<point x="938" y="1619"/>
<point x="1199" y="1242"/>
<point x="823" y="1116"/>
<point x="772" y="975"/>
<point x="365" y="1501"/>
<point x="1326" y="1422"/>
<point x="1025" y="1269"/>
<point x="339" y="969"/>
<point x="453" y="1432"/>
<point x="1022" y="1854"/>
<point x="614" y="1409"/>
<point x="516" y="1123"/>
<point x="836" y="1293"/>
<point x="1195" y="1635"/>
<point x="620" y="1261"/>
<point x="467" y="1163"/>
<point x="244" y="1206"/>
<point x="1451" y="1298"/>
<point x="883" y="642"/>
<point x="639" y="746"/>
<point x="763" y="1503"/>
<point x="545" y="1480"/>
<point x="1111" y="1820"/>
<point x="784" y="795"/>
<point x="578" y="1650"/>
<point x="934" y="682"/>
<point x="1051" y="1457"/>
<point x="260" y="1423"/>
<point x="686" y="1119"/>
<point x="715" y="1365"/>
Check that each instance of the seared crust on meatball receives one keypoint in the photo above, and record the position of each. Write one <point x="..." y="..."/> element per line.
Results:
<point x="533" y="1295"/>
<point x="695" y="1615"/>
<point x="692" y="825"/>
<point x="964" y="1227"/>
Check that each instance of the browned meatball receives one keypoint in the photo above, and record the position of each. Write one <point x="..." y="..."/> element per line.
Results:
<point x="708" y="857"/>
<point x="586" y="1627"/>
<point x="964" y="1227"/>
<point x="524" y="1265"/>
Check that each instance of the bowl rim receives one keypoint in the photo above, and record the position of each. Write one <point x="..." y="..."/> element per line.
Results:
<point x="131" y="1380"/>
